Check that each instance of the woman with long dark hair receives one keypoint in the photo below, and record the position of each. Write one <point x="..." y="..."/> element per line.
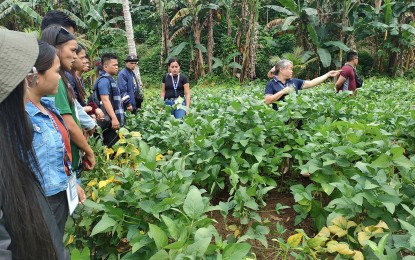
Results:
<point x="27" y="227"/>
<point x="66" y="45"/>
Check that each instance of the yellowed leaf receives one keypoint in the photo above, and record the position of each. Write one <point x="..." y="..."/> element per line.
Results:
<point x="332" y="246"/>
<point x="92" y="183"/>
<point x="135" y="134"/>
<point x="108" y="152"/>
<point x="340" y="222"/>
<point x="159" y="157"/>
<point x="358" y="255"/>
<point x="111" y="179"/>
<point x="294" y="240"/>
<point x="344" y="249"/>
<point x="338" y="231"/>
<point x="70" y="240"/>
<point x="102" y="184"/>
<point x="382" y="224"/>
<point x="236" y="233"/>
<point x="170" y="152"/>
<point x="351" y="224"/>
<point x="120" y="150"/>
<point x="93" y="196"/>
<point x="316" y="242"/>
<point x="363" y="237"/>
<point x="324" y="232"/>
<point x="232" y="227"/>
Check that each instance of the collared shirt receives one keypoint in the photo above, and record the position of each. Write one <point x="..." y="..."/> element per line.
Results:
<point x="275" y="85"/>
<point x="49" y="148"/>
<point x="107" y="86"/>
<point x="128" y="85"/>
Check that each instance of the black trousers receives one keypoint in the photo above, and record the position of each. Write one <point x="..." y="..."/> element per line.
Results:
<point x="110" y="137"/>
<point x="60" y="209"/>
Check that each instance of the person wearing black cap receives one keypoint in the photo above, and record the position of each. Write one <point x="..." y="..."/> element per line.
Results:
<point x="129" y="86"/>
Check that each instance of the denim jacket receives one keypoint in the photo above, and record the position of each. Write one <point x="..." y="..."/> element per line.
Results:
<point x="49" y="147"/>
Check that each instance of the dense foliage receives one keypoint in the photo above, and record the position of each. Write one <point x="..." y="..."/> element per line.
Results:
<point x="153" y="197"/>
<point x="238" y="38"/>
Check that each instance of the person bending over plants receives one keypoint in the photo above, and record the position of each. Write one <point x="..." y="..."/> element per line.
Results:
<point x="283" y="83"/>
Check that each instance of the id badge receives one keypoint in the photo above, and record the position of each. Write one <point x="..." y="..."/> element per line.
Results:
<point x="72" y="194"/>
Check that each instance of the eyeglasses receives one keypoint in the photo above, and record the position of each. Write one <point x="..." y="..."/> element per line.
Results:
<point x="63" y="31"/>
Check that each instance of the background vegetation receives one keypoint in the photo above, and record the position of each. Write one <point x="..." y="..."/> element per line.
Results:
<point x="238" y="38"/>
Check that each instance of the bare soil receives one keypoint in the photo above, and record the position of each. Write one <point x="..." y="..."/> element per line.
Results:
<point x="270" y="217"/>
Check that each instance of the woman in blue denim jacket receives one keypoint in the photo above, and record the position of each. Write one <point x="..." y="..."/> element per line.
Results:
<point x="51" y="139"/>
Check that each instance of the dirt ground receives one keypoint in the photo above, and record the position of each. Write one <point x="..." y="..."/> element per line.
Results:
<point x="268" y="214"/>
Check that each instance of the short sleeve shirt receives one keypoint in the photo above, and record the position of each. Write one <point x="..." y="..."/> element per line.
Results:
<point x="104" y="86"/>
<point x="169" y="80"/>
<point x="275" y="85"/>
<point x="348" y="73"/>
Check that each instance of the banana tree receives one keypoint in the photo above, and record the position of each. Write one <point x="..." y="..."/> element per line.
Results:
<point x="395" y="21"/>
<point x="11" y="11"/>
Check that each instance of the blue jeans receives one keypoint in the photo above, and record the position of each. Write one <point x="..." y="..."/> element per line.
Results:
<point x="178" y="113"/>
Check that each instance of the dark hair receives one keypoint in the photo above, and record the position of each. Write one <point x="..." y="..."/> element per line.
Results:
<point x="78" y="84"/>
<point x="25" y="223"/>
<point x="351" y="55"/>
<point x="107" y="57"/>
<point x="171" y="60"/>
<point x="56" y="35"/>
<point x="57" y="17"/>
<point x="45" y="60"/>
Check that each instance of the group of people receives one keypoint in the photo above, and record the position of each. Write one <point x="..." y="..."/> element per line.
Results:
<point x="47" y="120"/>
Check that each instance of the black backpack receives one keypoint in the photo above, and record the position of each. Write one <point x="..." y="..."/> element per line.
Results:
<point x="359" y="80"/>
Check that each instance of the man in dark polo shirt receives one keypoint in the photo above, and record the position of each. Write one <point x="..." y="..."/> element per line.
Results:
<point x="347" y="79"/>
<point x="283" y="83"/>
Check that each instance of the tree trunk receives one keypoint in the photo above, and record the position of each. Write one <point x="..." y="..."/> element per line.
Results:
<point x="164" y="33"/>
<point x="210" y="41"/>
<point x="130" y="35"/>
<point x="249" y="54"/>
<point x="197" y="30"/>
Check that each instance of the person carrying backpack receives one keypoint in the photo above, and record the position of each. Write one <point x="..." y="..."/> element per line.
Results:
<point x="347" y="78"/>
<point x="107" y="96"/>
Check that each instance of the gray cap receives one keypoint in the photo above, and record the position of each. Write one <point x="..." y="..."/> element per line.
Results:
<point x="18" y="54"/>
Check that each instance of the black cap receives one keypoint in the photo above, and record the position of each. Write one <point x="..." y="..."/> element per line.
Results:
<point x="131" y="57"/>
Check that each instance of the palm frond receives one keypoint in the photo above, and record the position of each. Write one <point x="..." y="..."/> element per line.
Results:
<point x="179" y="33"/>
<point x="274" y="23"/>
<point x="179" y="15"/>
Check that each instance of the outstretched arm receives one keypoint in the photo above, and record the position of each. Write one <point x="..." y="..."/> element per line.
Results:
<point x="321" y="79"/>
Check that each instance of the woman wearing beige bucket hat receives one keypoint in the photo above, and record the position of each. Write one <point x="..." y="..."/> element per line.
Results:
<point x="27" y="227"/>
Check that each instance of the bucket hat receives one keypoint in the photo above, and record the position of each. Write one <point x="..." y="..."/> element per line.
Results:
<point x="131" y="57"/>
<point x="18" y="54"/>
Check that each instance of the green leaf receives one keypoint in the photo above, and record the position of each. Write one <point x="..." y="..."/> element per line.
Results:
<point x="160" y="255"/>
<point x="193" y="205"/>
<point x="280" y="9"/>
<point x="290" y="5"/>
<point x="158" y="235"/>
<point x="84" y="255"/>
<point x="235" y="65"/>
<point x="389" y="206"/>
<point x="236" y="251"/>
<point x="288" y="21"/>
<point x="338" y="44"/>
<point x="201" y="47"/>
<point x="218" y="63"/>
<point x="383" y="161"/>
<point x="324" y="56"/>
<point x="105" y="223"/>
<point x="171" y="226"/>
<point x="313" y="35"/>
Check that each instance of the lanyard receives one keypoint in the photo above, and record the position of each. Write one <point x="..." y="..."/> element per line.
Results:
<point x="66" y="160"/>
<point x="175" y="84"/>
